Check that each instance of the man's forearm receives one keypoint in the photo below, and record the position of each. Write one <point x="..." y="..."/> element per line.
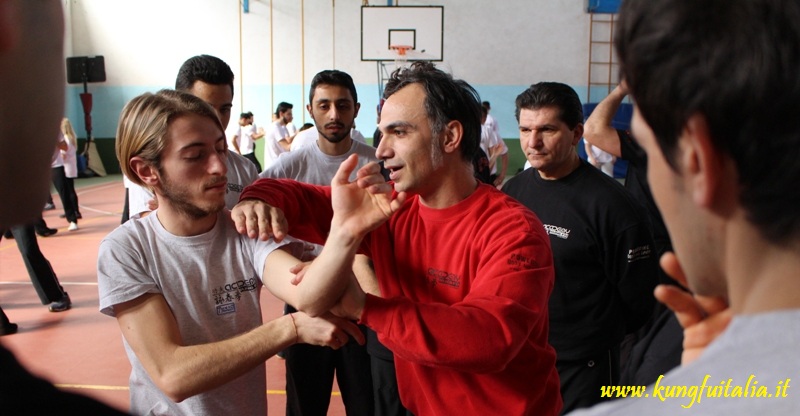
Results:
<point x="307" y="207"/>
<point x="182" y="371"/>
<point x="504" y="169"/>
<point x="221" y="362"/>
<point x="598" y="129"/>
<point x="328" y="276"/>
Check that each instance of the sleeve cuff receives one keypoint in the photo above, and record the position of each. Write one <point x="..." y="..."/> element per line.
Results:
<point x="375" y="313"/>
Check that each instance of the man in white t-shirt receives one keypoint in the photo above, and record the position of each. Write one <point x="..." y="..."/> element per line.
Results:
<point x="278" y="138"/>
<point x="310" y="135"/>
<point x="494" y="147"/>
<point x="599" y="158"/>
<point x="244" y="141"/>
<point x="183" y="285"/>
<point x="333" y="105"/>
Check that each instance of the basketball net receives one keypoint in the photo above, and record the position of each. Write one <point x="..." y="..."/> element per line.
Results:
<point x="400" y="55"/>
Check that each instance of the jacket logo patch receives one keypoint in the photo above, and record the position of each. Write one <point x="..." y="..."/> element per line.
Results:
<point x="443" y="277"/>
<point x="639" y="253"/>
<point x="557" y="231"/>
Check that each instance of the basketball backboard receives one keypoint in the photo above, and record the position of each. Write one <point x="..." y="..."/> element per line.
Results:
<point x="420" y="27"/>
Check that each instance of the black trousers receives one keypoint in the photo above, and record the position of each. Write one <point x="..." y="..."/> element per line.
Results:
<point x="39" y="270"/>
<point x="581" y="379"/>
<point x="73" y="196"/>
<point x="384" y="379"/>
<point x="252" y="157"/>
<point x="65" y="190"/>
<point x="309" y="379"/>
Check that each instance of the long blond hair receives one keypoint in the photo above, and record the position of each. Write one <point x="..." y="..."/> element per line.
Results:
<point x="144" y="122"/>
<point x="69" y="132"/>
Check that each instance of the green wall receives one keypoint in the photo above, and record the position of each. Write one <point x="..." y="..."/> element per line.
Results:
<point x="516" y="159"/>
<point x="105" y="148"/>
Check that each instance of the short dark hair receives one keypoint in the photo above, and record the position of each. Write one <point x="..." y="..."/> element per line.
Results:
<point x="333" y="77"/>
<point x="552" y="94"/>
<point x="246" y="115"/>
<point x="282" y="108"/>
<point x="487" y="105"/>
<point x="734" y="63"/>
<point x="446" y="99"/>
<point x="205" y="68"/>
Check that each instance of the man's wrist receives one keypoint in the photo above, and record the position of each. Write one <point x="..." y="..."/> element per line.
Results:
<point x="343" y="238"/>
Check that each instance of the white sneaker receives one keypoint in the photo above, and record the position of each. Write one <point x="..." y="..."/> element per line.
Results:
<point x="72" y="226"/>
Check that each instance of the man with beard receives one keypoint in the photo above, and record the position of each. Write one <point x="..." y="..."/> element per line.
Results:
<point x="464" y="270"/>
<point x="182" y="284"/>
<point x="278" y="139"/>
<point x="210" y="79"/>
<point x="333" y="105"/>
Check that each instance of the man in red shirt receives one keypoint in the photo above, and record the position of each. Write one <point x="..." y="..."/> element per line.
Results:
<point x="465" y="272"/>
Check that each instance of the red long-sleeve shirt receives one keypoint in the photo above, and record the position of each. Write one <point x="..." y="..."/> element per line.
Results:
<point x="465" y="292"/>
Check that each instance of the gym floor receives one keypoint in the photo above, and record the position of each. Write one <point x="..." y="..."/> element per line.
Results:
<point x="80" y="350"/>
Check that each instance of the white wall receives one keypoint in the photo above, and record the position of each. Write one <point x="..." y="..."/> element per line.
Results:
<point x="499" y="47"/>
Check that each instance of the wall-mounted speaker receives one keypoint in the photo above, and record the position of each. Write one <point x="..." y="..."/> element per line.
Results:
<point x="82" y="69"/>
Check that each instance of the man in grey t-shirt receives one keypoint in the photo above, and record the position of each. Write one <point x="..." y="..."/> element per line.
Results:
<point x="722" y="139"/>
<point x="183" y="286"/>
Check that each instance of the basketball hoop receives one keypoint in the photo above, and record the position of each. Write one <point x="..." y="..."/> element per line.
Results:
<point x="400" y="53"/>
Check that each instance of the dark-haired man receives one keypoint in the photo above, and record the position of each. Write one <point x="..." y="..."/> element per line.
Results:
<point x="278" y="137"/>
<point x="464" y="271"/>
<point x="602" y="244"/>
<point x="333" y="105"/>
<point x="244" y="141"/>
<point x="722" y="144"/>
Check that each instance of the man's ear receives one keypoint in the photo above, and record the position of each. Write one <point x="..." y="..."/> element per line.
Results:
<point x="453" y="133"/>
<point x="577" y="134"/>
<point x="145" y="171"/>
<point x="706" y="169"/>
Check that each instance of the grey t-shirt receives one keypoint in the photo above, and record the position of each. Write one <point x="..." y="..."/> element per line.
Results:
<point x="212" y="283"/>
<point x="745" y="372"/>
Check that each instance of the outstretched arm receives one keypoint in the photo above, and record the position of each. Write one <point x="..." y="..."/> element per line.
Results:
<point x="182" y="371"/>
<point x="598" y="129"/>
<point x="276" y="207"/>
<point x="258" y="134"/>
<point x="358" y="208"/>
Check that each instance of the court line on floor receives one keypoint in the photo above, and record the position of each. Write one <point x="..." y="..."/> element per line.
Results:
<point x="94" y="188"/>
<point x="125" y="388"/>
